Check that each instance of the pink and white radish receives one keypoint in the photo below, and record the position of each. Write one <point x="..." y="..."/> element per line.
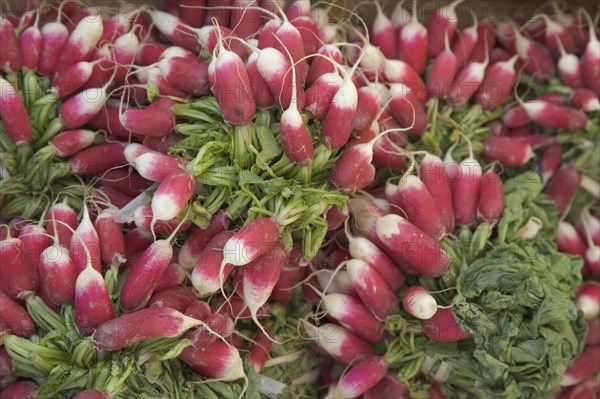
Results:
<point x="81" y="42"/>
<point x="419" y="302"/>
<point x="486" y="40"/>
<point x="62" y="220"/>
<point x="83" y="240"/>
<point x="178" y="298"/>
<point x="407" y="109"/>
<point x="220" y="360"/>
<point x="442" y="327"/>
<point x="198" y="240"/>
<point x="555" y="116"/>
<point x="251" y="241"/>
<point x="372" y="288"/>
<point x="35" y="239"/>
<point x="442" y="72"/>
<point x="172" y="194"/>
<point x="70" y="142"/>
<point x="550" y="161"/>
<point x="363" y="376"/>
<point x="410" y="245"/>
<point x="562" y="186"/>
<point x="585" y="100"/>
<point x="413" y="43"/>
<point x="538" y="62"/>
<point x="10" y="54"/>
<point x="346" y="348"/>
<point x="467" y="82"/>
<point x="570" y="69"/>
<point x="54" y="38"/>
<point x="383" y="34"/>
<point x="15" y="317"/>
<point x="187" y="75"/>
<point x="155" y="166"/>
<point x="588" y="300"/>
<point x="321" y="65"/>
<point x="420" y="206"/>
<point x="16" y="274"/>
<point x="466" y="189"/>
<point x="111" y="238"/>
<point x="509" y="151"/>
<point x="175" y="30"/>
<point x="433" y="175"/>
<point x="396" y="71"/>
<point x="591" y="60"/>
<point x="58" y="274"/>
<point x="14" y="114"/>
<point x="319" y="95"/>
<point x="584" y="366"/>
<point x="465" y="43"/>
<point x="206" y="274"/>
<point x="491" y="198"/>
<point x="442" y="22"/>
<point x="30" y="44"/>
<point x="497" y="84"/>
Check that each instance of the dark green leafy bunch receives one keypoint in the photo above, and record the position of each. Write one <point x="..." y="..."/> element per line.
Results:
<point x="32" y="176"/>
<point x="513" y="295"/>
<point x="244" y="170"/>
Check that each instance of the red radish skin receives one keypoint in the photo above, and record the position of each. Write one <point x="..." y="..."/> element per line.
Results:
<point x="363" y="376"/>
<point x="108" y="119"/>
<point x="145" y="274"/>
<point x="388" y="387"/>
<point x="30" y="44"/>
<point x="419" y="302"/>
<point x="11" y="59"/>
<point x="266" y="37"/>
<point x="173" y="276"/>
<point x="154" y="166"/>
<point x="175" y="30"/>
<point x="172" y="195"/>
<point x="275" y="68"/>
<point x="368" y="106"/>
<point x="486" y="40"/>
<point x="71" y="79"/>
<point x="412" y="44"/>
<point x="562" y="186"/>
<point x="550" y="161"/>
<point x="497" y="85"/>
<point x="125" y="181"/>
<point x="58" y="274"/>
<point x="137" y="240"/>
<point x="516" y="117"/>
<point x="92" y="301"/>
<point x="79" y="109"/>
<point x="70" y="142"/>
<point x="538" y="62"/>
<point x="291" y="273"/>
<point x="396" y="71"/>
<point x="262" y="93"/>
<point x="199" y="238"/>
<point x="219" y="360"/>
<point x="592" y="260"/>
<point x="245" y="19"/>
<point x="570" y="69"/>
<point x="149" y="52"/>
<point x="407" y="109"/>
<point x="584" y="390"/>
<point x="442" y="22"/>
<point x="54" y="37"/>
<point x="588" y="300"/>
<point x="20" y="390"/>
<point x="110" y="234"/>
<point x="199" y="310"/>
<point x="420" y="206"/>
<point x="320" y="95"/>
<point x="205" y="276"/>
<point x="310" y="33"/>
<point x="365" y="213"/>
<point x="210" y="37"/>
<point x="298" y="8"/>
<point x="218" y="10"/>
<point x="555" y="116"/>
<point x="555" y="33"/>
<point x="16" y="275"/>
<point x="14" y="115"/>
<point x="202" y="337"/>
<point x="433" y="175"/>
<point x="584" y="366"/>
<point x="143" y="218"/>
<point x="339" y="342"/>
<point x="410" y="245"/>
<point x="290" y="40"/>
<point x="62" y="220"/>
<point x="593" y="334"/>
<point x="143" y="325"/>
<point x="353" y="170"/>
<point x="465" y="191"/>
<point x="178" y="298"/>
<point x="465" y="44"/>
<point x="322" y="65"/>
<point x="251" y="241"/>
<point x="442" y="73"/>
<point x="442" y="327"/>
<point x="351" y="313"/>
<point x="372" y="288"/>
<point x="258" y="352"/>
<point x="35" y="239"/>
<point x="153" y="122"/>
<point x="585" y="100"/>
<point x="491" y="198"/>
<point x="15" y="317"/>
<point x="107" y="196"/>
<point x="509" y="151"/>
<point x="81" y="43"/>
<point x="186" y="75"/>
<point x="468" y="80"/>
<point x="192" y="12"/>
<point x="98" y="159"/>
<point x="83" y="240"/>
<point x="591" y="60"/>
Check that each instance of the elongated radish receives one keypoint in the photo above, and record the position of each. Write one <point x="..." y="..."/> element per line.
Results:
<point x="93" y="305"/>
<point x="321" y="65"/>
<point x="70" y="142"/>
<point x="110" y="234"/>
<point x="16" y="275"/>
<point x="383" y="34"/>
<point x="363" y="376"/>
<point x="81" y="43"/>
<point x="144" y="219"/>
<point x="420" y="206"/>
<point x="388" y="387"/>
<point x="433" y="175"/>
<point x="141" y="326"/>
<point x="397" y="71"/>
<point x="245" y="19"/>
<point x="290" y="40"/>
<point x="187" y="75"/>
<point x="372" y="288"/>
<point x="442" y="73"/>
<point x="340" y="343"/>
<point x="442" y="22"/>
<point x="199" y="238"/>
<point x="352" y="314"/>
<point x="591" y="60"/>
<point x="370" y="100"/>
<point x="491" y="198"/>
<point x="585" y="100"/>
<point x="562" y="186"/>
<point x="137" y="240"/>
<point x="219" y="360"/>
<point x="413" y="43"/>
<point x="407" y="109"/>
<point x="465" y="43"/>
<point x="178" y="298"/>
<point x="35" y="239"/>
<point x="588" y="300"/>
<point x="442" y="327"/>
<point x="419" y="302"/>
<point x="153" y="122"/>
<point x="85" y="236"/>
<point x="58" y="274"/>
<point x="538" y="62"/>
<point x="173" y="276"/>
<point x="509" y="151"/>
<point x="172" y="194"/>
<point x="251" y="241"/>
<point x="205" y="276"/>
<point x="274" y="67"/>
<point x="15" y="317"/>
<point x="555" y="116"/>
<point x="291" y="273"/>
<point x="154" y="166"/>
<point x="199" y="310"/>
<point x="30" y="44"/>
<point x="54" y="37"/>
<point x="258" y="352"/>
<point x="550" y="161"/>
<point x="467" y="82"/>
<point x="80" y="108"/>
<point x="175" y="30"/>
<point x="498" y="83"/>
<point x="366" y="212"/>
<point x="486" y="40"/>
<point x="570" y="69"/>
<point x="20" y="390"/>
<point x="192" y="12"/>
<point x="262" y="93"/>
<point x="10" y="54"/>
<point x="62" y="220"/>
<point x="202" y="337"/>
<point x="555" y="33"/>
<point x="14" y="115"/>
<point x="465" y="191"/>
<point x="321" y="93"/>
<point x="410" y="245"/>
<point x="584" y="366"/>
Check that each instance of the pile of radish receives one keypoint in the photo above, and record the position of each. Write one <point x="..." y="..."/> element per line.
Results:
<point x="247" y="198"/>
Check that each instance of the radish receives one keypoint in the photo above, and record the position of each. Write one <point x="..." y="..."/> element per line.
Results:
<point x="407" y="109"/>
<point x="262" y="93"/>
<point x="108" y="119"/>
<point x="588" y="227"/>
<point x="555" y="33"/>
<point x="153" y="122"/>
<point x="199" y="310"/>
<point x="442" y="22"/>
<point x="202" y="337"/>
<point x="467" y="82"/>
<point x="62" y="220"/>
<point x="192" y="12"/>
<point x="412" y="43"/>
<point x="20" y="390"/>
<point x="92" y="301"/>
<point x="35" y="239"/>
<point x="363" y="376"/>
<point x="433" y="175"/>
<point x="593" y="334"/>
<point x="186" y="75"/>
<point x="588" y="300"/>
<point x="351" y="313"/>
<point x="172" y="195"/>
<point x="498" y="83"/>
<point x="81" y="42"/>
<point x="14" y="114"/>
<point x="124" y="180"/>
<point x="420" y="206"/>
<point x="218" y="9"/>
<point x="137" y="240"/>
<point x="290" y="42"/>
<point x="291" y="274"/>
<point x="310" y="33"/>
<point x="465" y="43"/>
<point x="110" y="234"/>
<point x="175" y="30"/>
<point x="591" y="60"/>
<point x="466" y="189"/>
<point x="173" y="276"/>
<point x="410" y="245"/>
<point x="144" y="218"/>
<point x="11" y="59"/>
<point x="562" y="186"/>
<point x="258" y="352"/>
<point x="584" y="367"/>
<point x="297" y="8"/>
<point x="491" y="198"/>
<point x="141" y="326"/>
<point x="80" y="108"/>
<point x="245" y="19"/>
<point x="220" y="360"/>
<point x="206" y="274"/>
<point x="251" y="241"/>
<point x="124" y="51"/>
<point x="275" y="68"/>
<point x="388" y="387"/>
<point x="442" y="73"/>
<point x="320" y="94"/>
<point x="585" y="100"/>
<point x="419" y="303"/>
<point x="16" y="275"/>
<point x="570" y="69"/>
<point x="400" y="17"/>
<point x="442" y="327"/>
<point x="339" y="342"/>
<point x="70" y="142"/>
<point x="321" y="64"/>
<point x="486" y="40"/>
<point x="509" y="151"/>
<point x="149" y="52"/>
<point x="370" y="100"/>
<point x="58" y="274"/>
<point x="83" y="240"/>
<point x="15" y="317"/>
<point x="372" y="288"/>
<point x="538" y="62"/>
<point x="396" y="71"/>
<point x="210" y="36"/>
<point x="178" y="298"/>
<point x="550" y="161"/>
<point x="366" y="212"/>
<point x="198" y="239"/>
<point x="592" y="260"/>
<point x="30" y="45"/>
<point x="555" y="116"/>
<point x="54" y="37"/>
<point x="516" y="117"/>
<point x="156" y="167"/>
